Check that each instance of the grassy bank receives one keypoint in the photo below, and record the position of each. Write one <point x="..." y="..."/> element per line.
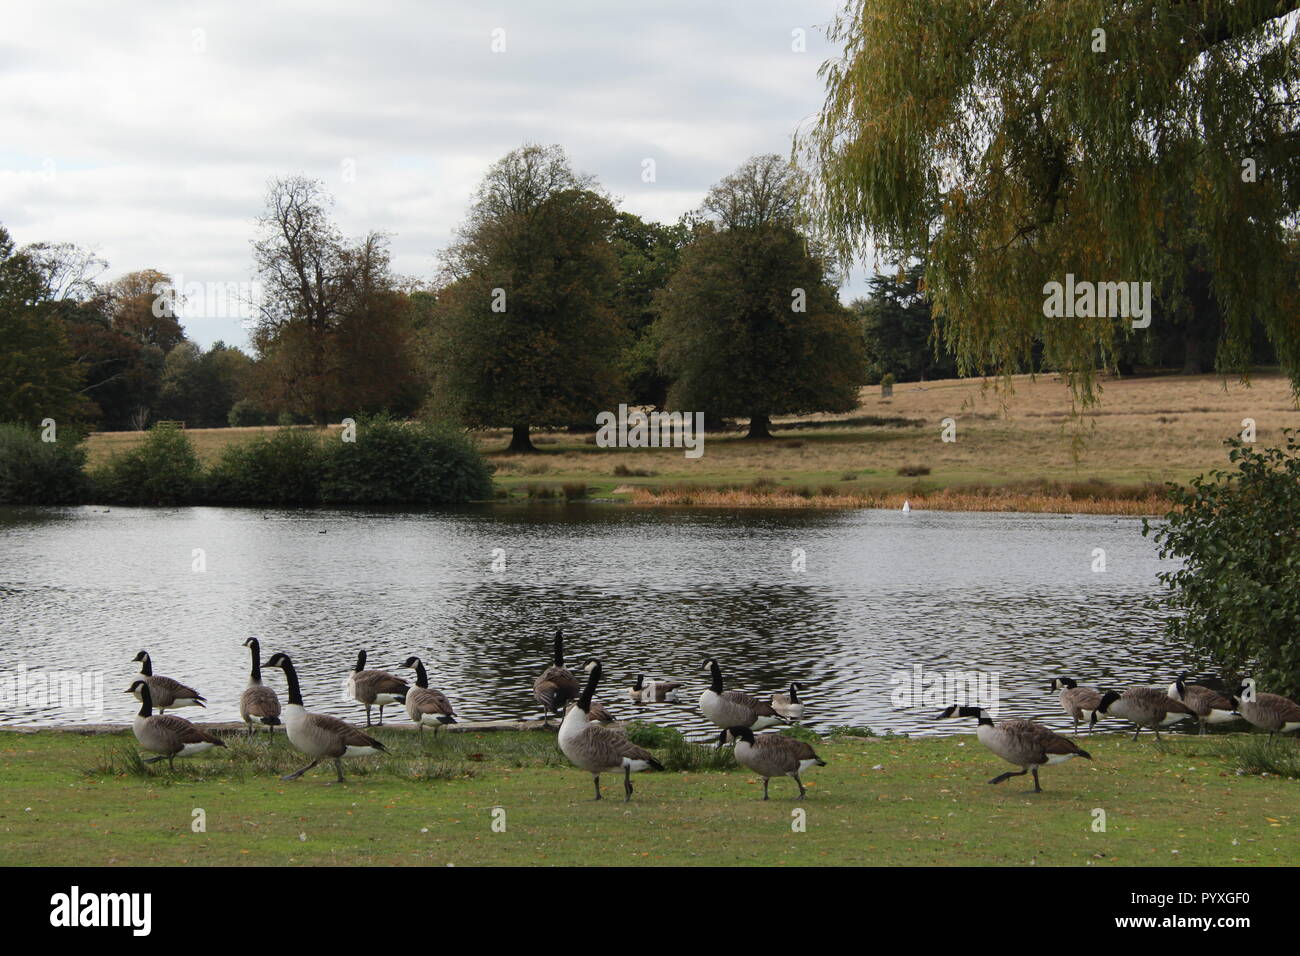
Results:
<point x="1013" y="454"/>
<point x="71" y="798"/>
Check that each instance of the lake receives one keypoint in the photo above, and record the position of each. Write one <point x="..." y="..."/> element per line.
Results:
<point x="880" y="594"/>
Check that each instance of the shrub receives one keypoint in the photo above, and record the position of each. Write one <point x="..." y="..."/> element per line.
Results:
<point x="913" y="471"/>
<point x="1236" y="594"/>
<point x="654" y="736"/>
<point x="245" y="414"/>
<point x="35" y="472"/>
<point x="574" y="491"/>
<point x="396" y="463"/>
<point x="161" y="470"/>
<point x="283" y="468"/>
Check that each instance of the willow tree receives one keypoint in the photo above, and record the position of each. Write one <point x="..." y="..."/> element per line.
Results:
<point x="1010" y="144"/>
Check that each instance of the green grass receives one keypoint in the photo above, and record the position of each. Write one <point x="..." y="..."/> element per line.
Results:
<point x="70" y="798"/>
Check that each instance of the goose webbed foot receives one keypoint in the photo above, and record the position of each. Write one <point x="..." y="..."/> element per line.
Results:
<point x="627" y="784"/>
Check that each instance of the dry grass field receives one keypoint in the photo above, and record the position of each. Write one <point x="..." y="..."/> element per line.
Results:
<point x="1022" y="450"/>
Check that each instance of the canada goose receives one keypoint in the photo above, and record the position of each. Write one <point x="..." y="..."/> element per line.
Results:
<point x="319" y="735"/>
<point x="733" y="708"/>
<point x="167" y="735"/>
<point x="598" y="712"/>
<point x="654" y="691"/>
<point x="1079" y="702"/>
<point x="556" y="686"/>
<point x="167" y="694"/>
<point x="1271" y="712"/>
<point x="1144" y="706"/>
<point x="598" y="749"/>
<point x="1026" y="744"/>
<point x="1209" y="706"/>
<point x="258" y="704"/>
<point x="375" y="688"/>
<point x="424" y="705"/>
<point x="789" y="705"/>
<point x="774" y="755"/>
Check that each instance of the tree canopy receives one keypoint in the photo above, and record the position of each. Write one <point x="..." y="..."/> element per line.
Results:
<point x="751" y="324"/>
<point x="1009" y="144"/>
<point x="525" y="333"/>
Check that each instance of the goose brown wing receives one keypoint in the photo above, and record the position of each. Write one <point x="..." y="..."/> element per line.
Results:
<point x="761" y="708"/>
<point x="351" y="736"/>
<point x="184" y="731"/>
<point x="430" y="701"/>
<point x="789" y="748"/>
<point x="1285" y="708"/>
<point x="171" y="689"/>
<point x="1201" y="697"/>
<point x="380" y="682"/>
<point x="260" y="702"/>
<point x="613" y="747"/>
<point x="1083" y="698"/>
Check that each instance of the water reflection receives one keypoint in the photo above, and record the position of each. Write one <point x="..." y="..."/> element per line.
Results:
<point x="646" y="591"/>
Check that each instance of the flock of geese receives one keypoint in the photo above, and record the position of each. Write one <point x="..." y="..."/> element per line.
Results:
<point x="590" y="745"/>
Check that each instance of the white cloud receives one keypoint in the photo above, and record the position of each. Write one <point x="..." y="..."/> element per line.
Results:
<point x="149" y="132"/>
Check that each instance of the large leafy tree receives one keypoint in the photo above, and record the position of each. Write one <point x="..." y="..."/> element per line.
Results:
<point x="751" y="324"/>
<point x="1011" y="143"/>
<point x="648" y="254"/>
<point x="39" y="375"/>
<point x="320" y="293"/>
<point x="524" y="333"/>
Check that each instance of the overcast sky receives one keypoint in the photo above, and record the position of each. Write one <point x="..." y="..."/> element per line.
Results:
<point x="148" y="131"/>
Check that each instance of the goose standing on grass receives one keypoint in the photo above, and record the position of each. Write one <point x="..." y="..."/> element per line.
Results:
<point x="556" y="686"/>
<point x="258" y="704"/>
<point x="375" y="688"/>
<point x="167" y="694"/>
<point x="1209" y="706"/>
<point x="424" y="704"/>
<point x="598" y="749"/>
<point x="733" y="708"/>
<point x="656" y="691"/>
<point x="167" y="735"/>
<point x="1024" y="743"/>
<point x="1079" y="702"/>
<point x="1144" y="706"/>
<point x="319" y="736"/>
<point x="789" y="705"/>
<point x="774" y="755"/>
<point x="1271" y="712"/>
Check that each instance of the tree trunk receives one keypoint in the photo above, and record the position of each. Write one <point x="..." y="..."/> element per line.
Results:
<point x="520" y="443"/>
<point x="759" y="427"/>
<point x="1192" y="364"/>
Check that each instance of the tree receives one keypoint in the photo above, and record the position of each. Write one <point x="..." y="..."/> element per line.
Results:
<point x="1236" y="594"/>
<point x="750" y="324"/>
<point x="143" y="305"/>
<point x="524" y="334"/>
<point x="1010" y="144"/>
<point x="39" y="376"/>
<point x="312" y="280"/>
<point x="899" y="330"/>
<point x="648" y="254"/>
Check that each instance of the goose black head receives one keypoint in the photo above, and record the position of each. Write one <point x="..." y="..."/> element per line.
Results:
<point x="955" y="711"/>
<point x="593" y="670"/>
<point x="741" y="733"/>
<point x="253" y="643"/>
<point x="142" y="656"/>
<point x="636" y="684"/>
<point x="411" y="662"/>
<point x="361" y="661"/>
<point x="138" y="686"/>
<point x="1107" y="699"/>
<point x="278" y="660"/>
<point x="1062" y="683"/>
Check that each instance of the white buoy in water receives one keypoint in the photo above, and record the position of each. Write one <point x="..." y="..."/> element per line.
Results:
<point x="907" y="506"/>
